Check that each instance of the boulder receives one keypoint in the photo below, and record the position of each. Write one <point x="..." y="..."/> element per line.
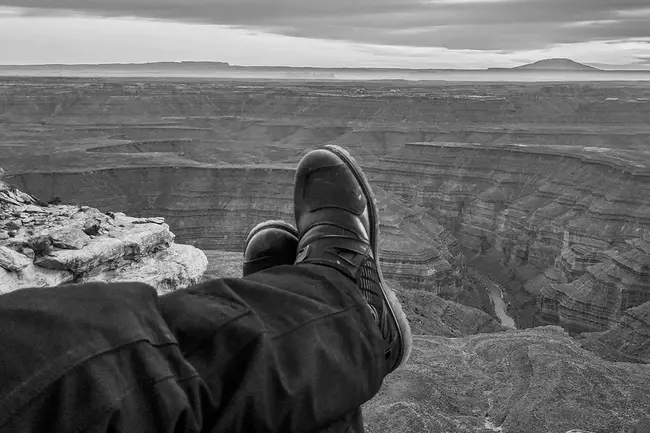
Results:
<point x="13" y="261"/>
<point x="168" y="270"/>
<point x="69" y="238"/>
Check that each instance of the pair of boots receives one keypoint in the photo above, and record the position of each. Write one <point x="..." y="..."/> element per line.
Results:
<point x="337" y="226"/>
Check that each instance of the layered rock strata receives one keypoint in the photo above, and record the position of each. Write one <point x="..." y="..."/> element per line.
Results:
<point x="477" y="106"/>
<point x="47" y="245"/>
<point x="556" y="176"/>
<point x="415" y="250"/>
<point x="550" y="210"/>
<point x="595" y="300"/>
<point x="562" y="212"/>
<point x="628" y="341"/>
<point x="432" y="315"/>
<point x="209" y="207"/>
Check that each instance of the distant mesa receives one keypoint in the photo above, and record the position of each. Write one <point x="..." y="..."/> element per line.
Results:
<point x="556" y="65"/>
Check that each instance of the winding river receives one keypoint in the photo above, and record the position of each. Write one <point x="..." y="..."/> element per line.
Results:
<point x="496" y="293"/>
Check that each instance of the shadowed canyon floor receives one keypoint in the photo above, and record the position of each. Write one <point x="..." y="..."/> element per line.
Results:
<point x="541" y="189"/>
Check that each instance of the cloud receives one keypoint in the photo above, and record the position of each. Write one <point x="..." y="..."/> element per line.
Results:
<point x="508" y="25"/>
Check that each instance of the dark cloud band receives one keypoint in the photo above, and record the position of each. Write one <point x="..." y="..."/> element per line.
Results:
<point x="456" y="24"/>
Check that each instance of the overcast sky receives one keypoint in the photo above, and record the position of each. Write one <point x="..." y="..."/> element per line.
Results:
<point x="386" y="33"/>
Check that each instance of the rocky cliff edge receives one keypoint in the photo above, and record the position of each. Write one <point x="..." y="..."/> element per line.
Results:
<point x="51" y="244"/>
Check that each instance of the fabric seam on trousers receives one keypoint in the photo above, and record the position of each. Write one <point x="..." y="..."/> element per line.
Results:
<point x="220" y="299"/>
<point x="302" y="325"/>
<point x="244" y="313"/>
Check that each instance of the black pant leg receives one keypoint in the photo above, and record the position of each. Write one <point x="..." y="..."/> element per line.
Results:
<point x="93" y="358"/>
<point x="289" y="349"/>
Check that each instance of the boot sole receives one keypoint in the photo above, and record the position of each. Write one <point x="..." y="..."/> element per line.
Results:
<point x="271" y="224"/>
<point x="395" y="307"/>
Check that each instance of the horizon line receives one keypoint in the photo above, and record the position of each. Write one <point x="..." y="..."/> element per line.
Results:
<point x="225" y="64"/>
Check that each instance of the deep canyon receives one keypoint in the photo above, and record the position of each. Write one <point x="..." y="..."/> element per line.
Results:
<point x="542" y="189"/>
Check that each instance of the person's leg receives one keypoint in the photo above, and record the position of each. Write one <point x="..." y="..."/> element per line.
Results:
<point x="248" y="355"/>
<point x="273" y="243"/>
<point x="286" y="349"/>
<point x="268" y="244"/>
<point x="300" y="346"/>
<point x="93" y="358"/>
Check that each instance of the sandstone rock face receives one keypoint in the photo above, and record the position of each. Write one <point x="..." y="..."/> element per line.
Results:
<point x="535" y="381"/>
<point x="52" y="245"/>
<point x="209" y="207"/>
<point x="72" y="239"/>
<point x="416" y="251"/>
<point x="581" y="217"/>
<point x="628" y="341"/>
<point x="430" y="314"/>
<point x="595" y="300"/>
<point x="13" y="261"/>
<point x="170" y="269"/>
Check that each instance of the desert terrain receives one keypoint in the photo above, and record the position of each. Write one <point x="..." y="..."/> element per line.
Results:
<point x="503" y="205"/>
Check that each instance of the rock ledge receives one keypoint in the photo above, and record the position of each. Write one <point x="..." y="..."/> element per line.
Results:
<point x="47" y="245"/>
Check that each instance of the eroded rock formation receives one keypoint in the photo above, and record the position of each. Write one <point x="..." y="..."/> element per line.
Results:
<point x="432" y="315"/>
<point x="595" y="300"/>
<point x="579" y="221"/>
<point x="545" y="179"/>
<point x="545" y="212"/>
<point x="48" y="245"/>
<point x="628" y="341"/>
<point x="535" y="381"/>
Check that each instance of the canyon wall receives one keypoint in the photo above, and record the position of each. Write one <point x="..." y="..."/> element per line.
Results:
<point x="211" y="208"/>
<point x="568" y="227"/>
<point x="556" y="219"/>
<point x="628" y="341"/>
<point x="542" y="186"/>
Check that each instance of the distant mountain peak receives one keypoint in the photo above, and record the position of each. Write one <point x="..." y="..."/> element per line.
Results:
<point x="557" y="64"/>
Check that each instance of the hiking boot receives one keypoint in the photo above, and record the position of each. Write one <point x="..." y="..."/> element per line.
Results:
<point x="269" y="244"/>
<point x="338" y="226"/>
